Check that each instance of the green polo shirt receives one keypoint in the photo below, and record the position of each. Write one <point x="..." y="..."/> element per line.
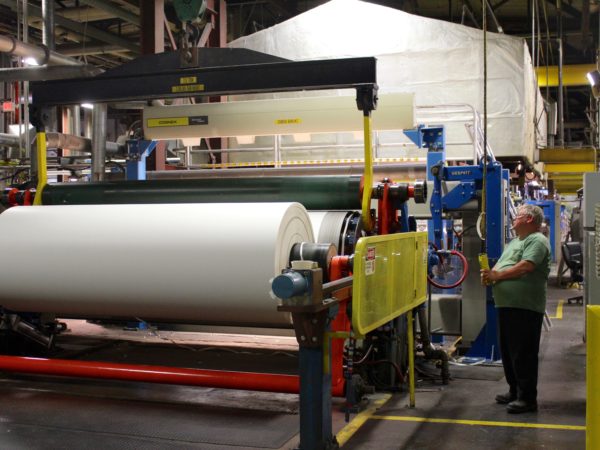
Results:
<point x="528" y="291"/>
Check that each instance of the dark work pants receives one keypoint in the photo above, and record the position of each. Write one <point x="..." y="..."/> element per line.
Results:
<point x="519" y="332"/>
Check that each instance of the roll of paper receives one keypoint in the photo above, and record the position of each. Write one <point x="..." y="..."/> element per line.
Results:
<point x="192" y="263"/>
<point x="328" y="227"/>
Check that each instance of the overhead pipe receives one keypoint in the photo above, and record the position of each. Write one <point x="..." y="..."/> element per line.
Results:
<point x="48" y="24"/>
<point x="76" y="143"/>
<point x="45" y="73"/>
<point x="42" y="55"/>
<point x="80" y="28"/>
<point x="221" y="379"/>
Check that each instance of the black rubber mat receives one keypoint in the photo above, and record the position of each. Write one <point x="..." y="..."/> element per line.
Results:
<point x="97" y="422"/>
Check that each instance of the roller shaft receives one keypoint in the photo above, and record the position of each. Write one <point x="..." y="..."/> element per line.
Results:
<point x="326" y="192"/>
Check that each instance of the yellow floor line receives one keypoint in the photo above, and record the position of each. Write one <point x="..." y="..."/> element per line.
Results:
<point x="346" y="433"/>
<point x="559" y="311"/>
<point x="481" y="423"/>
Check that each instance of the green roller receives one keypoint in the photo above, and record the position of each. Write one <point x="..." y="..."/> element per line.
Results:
<point x="318" y="192"/>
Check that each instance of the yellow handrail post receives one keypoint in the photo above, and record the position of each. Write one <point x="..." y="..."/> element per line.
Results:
<point x="368" y="173"/>
<point x="411" y="359"/>
<point x="42" y="174"/>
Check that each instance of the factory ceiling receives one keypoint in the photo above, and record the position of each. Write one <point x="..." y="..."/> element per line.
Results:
<point x="107" y="33"/>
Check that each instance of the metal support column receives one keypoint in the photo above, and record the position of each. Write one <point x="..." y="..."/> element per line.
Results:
<point x="99" y="141"/>
<point x="315" y="400"/>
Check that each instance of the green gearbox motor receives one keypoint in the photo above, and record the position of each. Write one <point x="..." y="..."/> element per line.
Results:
<point x="189" y="10"/>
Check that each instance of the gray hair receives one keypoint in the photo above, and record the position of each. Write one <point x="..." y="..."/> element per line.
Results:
<point x="533" y="211"/>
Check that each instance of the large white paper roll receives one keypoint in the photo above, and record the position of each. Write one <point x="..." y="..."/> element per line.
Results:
<point x="194" y="263"/>
<point x="328" y="226"/>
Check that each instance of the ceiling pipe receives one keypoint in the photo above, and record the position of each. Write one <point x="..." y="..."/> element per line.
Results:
<point x="48" y="24"/>
<point x="48" y="73"/>
<point x="42" y="55"/>
<point x="80" y="28"/>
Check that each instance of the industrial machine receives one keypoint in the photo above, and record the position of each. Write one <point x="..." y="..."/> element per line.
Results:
<point x="369" y="270"/>
<point x="458" y="192"/>
<point x="551" y="209"/>
<point x="591" y="198"/>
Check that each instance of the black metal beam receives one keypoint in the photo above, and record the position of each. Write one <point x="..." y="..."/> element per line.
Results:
<point x="208" y="81"/>
<point x="567" y="9"/>
<point x="498" y="4"/>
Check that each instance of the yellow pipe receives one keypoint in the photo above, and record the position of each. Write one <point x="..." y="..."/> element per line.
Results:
<point x="368" y="174"/>
<point x="42" y="168"/>
<point x="411" y="359"/>
<point x="573" y="75"/>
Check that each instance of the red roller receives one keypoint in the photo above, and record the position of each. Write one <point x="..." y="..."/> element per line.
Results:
<point x="153" y="374"/>
<point x="157" y="374"/>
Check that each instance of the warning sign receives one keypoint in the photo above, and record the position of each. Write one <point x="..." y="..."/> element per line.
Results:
<point x="370" y="262"/>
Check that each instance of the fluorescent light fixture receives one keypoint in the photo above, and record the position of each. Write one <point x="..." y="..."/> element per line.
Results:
<point x="245" y="140"/>
<point x="301" y="137"/>
<point x="594" y="80"/>
<point x="87" y="106"/>
<point x="17" y="129"/>
<point x="31" y="61"/>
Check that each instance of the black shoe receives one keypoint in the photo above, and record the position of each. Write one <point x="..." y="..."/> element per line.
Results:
<point x="521" y="406"/>
<point x="505" y="399"/>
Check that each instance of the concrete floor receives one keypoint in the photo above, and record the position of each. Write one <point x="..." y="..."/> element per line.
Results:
<point x="463" y="415"/>
<point x="54" y="413"/>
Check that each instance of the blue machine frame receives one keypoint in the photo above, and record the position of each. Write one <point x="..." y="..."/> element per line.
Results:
<point x="138" y="151"/>
<point x="470" y="185"/>
<point x="549" y="209"/>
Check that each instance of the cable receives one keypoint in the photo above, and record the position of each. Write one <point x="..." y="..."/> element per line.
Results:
<point x="482" y="216"/>
<point x="462" y="277"/>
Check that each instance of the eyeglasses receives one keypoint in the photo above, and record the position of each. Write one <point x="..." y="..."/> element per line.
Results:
<point x="520" y="216"/>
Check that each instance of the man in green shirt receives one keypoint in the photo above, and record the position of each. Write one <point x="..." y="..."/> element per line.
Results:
<point x="519" y="280"/>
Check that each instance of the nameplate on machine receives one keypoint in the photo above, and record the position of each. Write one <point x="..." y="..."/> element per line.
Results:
<point x="187" y="88"/>
<point x="177" y="121"/>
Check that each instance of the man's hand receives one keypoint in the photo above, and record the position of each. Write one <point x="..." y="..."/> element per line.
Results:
<point x="488" y="276"/>
<point x="523" y="267"/>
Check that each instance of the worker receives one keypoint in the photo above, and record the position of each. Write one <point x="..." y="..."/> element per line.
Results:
<point x="519" y="280"/>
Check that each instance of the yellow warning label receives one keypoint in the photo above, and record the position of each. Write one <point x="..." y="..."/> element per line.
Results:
<point x="188" y="80"/>
<point x="287" y="121"/>
<point x="168" y="122"/>
<point x="187" y="88"/>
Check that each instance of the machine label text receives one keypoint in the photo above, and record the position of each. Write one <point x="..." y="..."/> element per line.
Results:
<point x="188" y="80"/>
<point x="187" y="88"/>
<point x="288" y="121"/>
